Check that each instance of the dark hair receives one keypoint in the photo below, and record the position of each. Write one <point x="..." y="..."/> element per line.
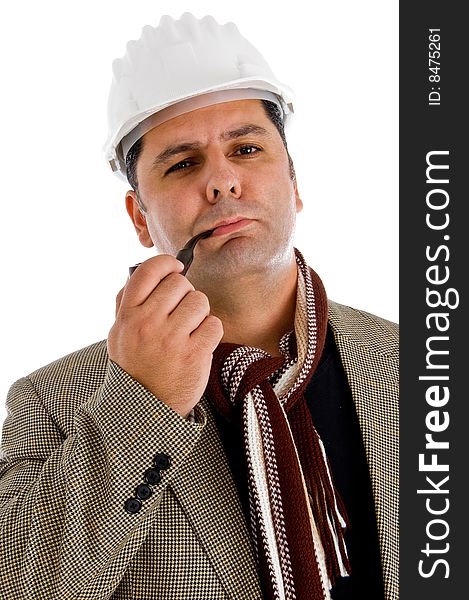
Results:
<point x="272" y="111"/>
<point x="131" y="163"/>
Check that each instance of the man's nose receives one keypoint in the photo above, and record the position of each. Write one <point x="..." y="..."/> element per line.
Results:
<point x="223" y="182"/>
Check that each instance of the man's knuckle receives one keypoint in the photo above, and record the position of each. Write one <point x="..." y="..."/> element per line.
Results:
<point x="199" y="299"/>
<point x="215" y="326"/>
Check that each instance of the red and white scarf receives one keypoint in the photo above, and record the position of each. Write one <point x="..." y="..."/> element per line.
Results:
<point x="297" y="519"/>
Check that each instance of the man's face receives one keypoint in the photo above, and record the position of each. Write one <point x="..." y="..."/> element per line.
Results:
<point x="222" y="166"/>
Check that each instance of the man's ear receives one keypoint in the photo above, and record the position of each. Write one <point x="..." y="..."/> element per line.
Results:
<point x="138" y="218"/>
<point x="298" y="200"/>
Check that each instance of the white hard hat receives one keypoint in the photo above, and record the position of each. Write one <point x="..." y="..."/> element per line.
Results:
<point x="180" y="66"/>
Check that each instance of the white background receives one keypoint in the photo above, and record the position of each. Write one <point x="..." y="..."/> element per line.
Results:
<point x="66" y="241"/>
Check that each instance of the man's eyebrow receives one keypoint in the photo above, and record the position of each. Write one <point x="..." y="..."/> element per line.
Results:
<point x="231" y="134"/>
<point x="244" y="130"/>
<point x="171" y="151"/>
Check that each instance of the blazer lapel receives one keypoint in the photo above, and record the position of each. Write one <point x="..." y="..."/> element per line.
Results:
<point x="205" y="488"/>
<point x="369" y="354"/>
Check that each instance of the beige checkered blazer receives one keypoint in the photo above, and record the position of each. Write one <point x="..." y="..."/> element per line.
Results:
<point x="79" y="434"/>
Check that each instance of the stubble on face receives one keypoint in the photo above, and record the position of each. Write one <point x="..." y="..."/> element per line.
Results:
<point x="267" y="195"/>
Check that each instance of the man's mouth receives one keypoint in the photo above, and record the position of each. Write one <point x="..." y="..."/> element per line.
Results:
<point x="230" y="226"/>
<point x="186" y="254"/>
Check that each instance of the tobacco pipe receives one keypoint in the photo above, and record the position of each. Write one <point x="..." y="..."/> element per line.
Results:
<point x="186" y="254"/>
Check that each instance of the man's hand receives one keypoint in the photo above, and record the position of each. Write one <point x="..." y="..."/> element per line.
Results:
<point x="164" y="335"/>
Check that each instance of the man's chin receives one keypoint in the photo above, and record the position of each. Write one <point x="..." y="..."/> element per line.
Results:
<point x="234" y="258"/>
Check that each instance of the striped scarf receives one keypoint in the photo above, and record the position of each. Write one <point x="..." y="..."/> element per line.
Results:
<point x="297" y="520"/>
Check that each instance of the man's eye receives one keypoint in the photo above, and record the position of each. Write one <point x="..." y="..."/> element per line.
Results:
<point x="248" y="150"/>
<point x="183" y="164"/>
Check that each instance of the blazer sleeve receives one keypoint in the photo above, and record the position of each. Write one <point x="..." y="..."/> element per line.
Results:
<point x="64" y="530"/>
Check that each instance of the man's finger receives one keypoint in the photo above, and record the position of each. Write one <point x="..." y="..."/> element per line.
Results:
<point x="147" y="276"/>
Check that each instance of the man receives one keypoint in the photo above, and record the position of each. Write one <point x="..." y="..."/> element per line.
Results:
<point x="236" y="435"/>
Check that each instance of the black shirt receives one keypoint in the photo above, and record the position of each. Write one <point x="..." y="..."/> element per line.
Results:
<point x="333" y="411"/>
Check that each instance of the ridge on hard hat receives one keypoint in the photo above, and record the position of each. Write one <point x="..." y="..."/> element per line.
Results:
<point x="179" y="66"/>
